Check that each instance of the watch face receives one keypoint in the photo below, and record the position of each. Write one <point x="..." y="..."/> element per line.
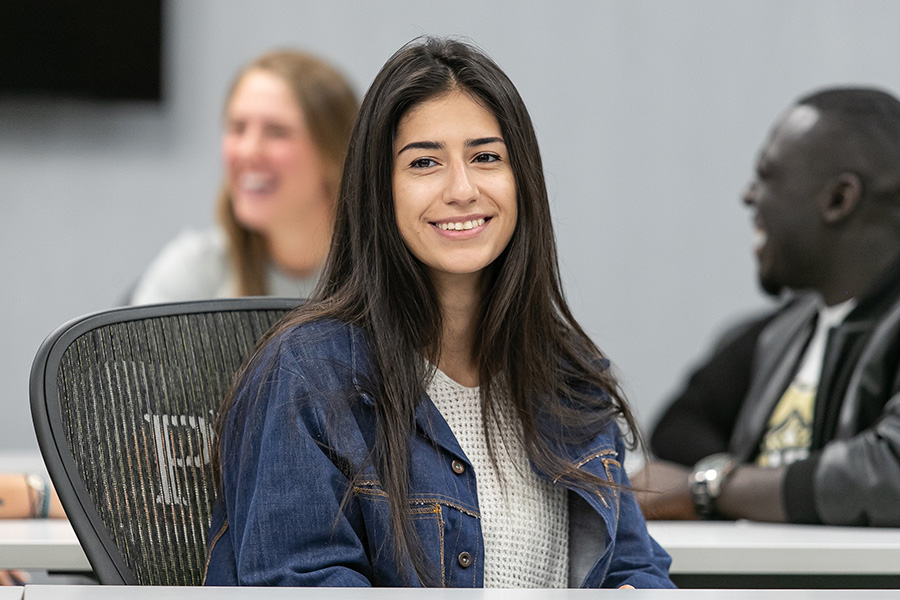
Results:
<point x="706" y="481"/>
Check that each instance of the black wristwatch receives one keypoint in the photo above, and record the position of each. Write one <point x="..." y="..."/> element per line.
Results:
<point x="706" y="482"/>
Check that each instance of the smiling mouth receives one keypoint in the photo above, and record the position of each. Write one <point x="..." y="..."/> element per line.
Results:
<point x="256" y="183"/>
<point x="461" y="225"/>
<point x="760" y="237"/>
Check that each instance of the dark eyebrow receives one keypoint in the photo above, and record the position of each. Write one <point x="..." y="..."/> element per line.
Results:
<point x="421" y="146"/>
<point x="440" y="146"/>
<point x="484" y="141"/>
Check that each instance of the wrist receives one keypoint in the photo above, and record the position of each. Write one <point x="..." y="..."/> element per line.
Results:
<point x="39" y="495"/>
<point x="706" y="481"/>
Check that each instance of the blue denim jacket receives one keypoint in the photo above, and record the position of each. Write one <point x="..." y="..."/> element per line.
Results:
<point x="302" y="426"/>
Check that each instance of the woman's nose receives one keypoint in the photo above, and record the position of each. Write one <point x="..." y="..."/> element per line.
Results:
<point x="461" y="188"/>
<point x="250" y="145"/>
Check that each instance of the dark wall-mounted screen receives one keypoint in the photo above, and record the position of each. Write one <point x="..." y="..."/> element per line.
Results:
<point x="108" y="49"/>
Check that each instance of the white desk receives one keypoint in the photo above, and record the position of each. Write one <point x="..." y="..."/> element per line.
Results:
<point x="37" y="544"/>
<point x="723" y="547"/>
<point x="40" y="544"/>
<point x="714" y="547"/>
<point x="69" y="592"/>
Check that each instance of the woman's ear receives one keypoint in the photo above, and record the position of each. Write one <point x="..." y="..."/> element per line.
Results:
<point x="840" y="198"/>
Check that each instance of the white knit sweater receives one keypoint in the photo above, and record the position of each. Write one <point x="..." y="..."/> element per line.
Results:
<point x="524" y="519"/>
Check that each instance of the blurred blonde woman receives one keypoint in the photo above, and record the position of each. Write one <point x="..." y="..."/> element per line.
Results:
<point x="288" y="117"/>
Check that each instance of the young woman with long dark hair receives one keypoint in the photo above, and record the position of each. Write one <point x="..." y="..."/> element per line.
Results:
<point x="438" y="354"/>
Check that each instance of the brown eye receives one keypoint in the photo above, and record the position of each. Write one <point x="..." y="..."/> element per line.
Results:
<point x="422" y="163"/>
<point x="486" y="157"/>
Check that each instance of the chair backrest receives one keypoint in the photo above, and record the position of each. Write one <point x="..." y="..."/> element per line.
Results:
<point x="124" y="404"/>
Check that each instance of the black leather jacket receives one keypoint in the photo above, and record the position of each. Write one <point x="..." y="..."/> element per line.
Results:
<point x="852" y="476"/>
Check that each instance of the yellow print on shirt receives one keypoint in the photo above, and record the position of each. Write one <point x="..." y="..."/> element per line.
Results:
<point x="789" y="432"/>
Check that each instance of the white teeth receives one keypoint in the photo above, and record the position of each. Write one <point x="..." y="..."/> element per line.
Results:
<point x="760" y="237"/>
<point x="257" y="182"/>
<point x="461" y="225"/>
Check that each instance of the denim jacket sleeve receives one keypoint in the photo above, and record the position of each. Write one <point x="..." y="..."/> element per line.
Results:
<point x="627" y="555"/>
<point x="282" y="492"/>
<point x="637" y="560"/>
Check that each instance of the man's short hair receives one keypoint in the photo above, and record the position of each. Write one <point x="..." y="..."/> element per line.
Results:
<point x="866" y="124"/>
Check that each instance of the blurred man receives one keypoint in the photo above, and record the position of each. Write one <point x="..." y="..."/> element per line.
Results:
<point x="796" y="416"/>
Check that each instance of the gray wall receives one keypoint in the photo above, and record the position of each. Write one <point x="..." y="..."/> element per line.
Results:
<point x="649" y="115"/>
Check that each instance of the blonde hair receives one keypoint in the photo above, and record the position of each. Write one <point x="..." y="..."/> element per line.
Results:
<point x="329" y="105"/>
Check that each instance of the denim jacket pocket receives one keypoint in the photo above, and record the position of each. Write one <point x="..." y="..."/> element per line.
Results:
<point x="429" y="524"/>
<point x="427" y="515"/>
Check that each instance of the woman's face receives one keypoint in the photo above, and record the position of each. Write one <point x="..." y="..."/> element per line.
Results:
<point x="272" y="166"/>
<point x="454" y="189"/>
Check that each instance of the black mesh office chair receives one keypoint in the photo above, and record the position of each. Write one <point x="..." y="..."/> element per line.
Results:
<point x="124" y="404"/>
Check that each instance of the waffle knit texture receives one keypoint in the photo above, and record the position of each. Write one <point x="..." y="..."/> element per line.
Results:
<point x="524" y="519"/>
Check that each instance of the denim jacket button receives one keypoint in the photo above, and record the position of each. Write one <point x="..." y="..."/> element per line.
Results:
<point x="458" y="466"/>
<point x="465" y="559"/>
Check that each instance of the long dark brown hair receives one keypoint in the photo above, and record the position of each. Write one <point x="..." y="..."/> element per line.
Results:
<point x="328" y="104"/>
<point x="527" y="341"/>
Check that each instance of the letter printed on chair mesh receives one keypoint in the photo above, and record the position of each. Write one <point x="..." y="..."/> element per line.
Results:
<point x="124" y="404"/>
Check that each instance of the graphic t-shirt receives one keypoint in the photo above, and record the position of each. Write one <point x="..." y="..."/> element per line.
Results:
<point x="789" y="431"/>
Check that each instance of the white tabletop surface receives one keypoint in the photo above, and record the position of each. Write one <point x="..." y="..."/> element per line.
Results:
<point x="40" y="544"/>
<point x="747" y="547"/>
<point x="696" y="547"/>
<point x="714" y="547"/>
<point x="71" y="592"/>
<point x="11" y="593"/>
